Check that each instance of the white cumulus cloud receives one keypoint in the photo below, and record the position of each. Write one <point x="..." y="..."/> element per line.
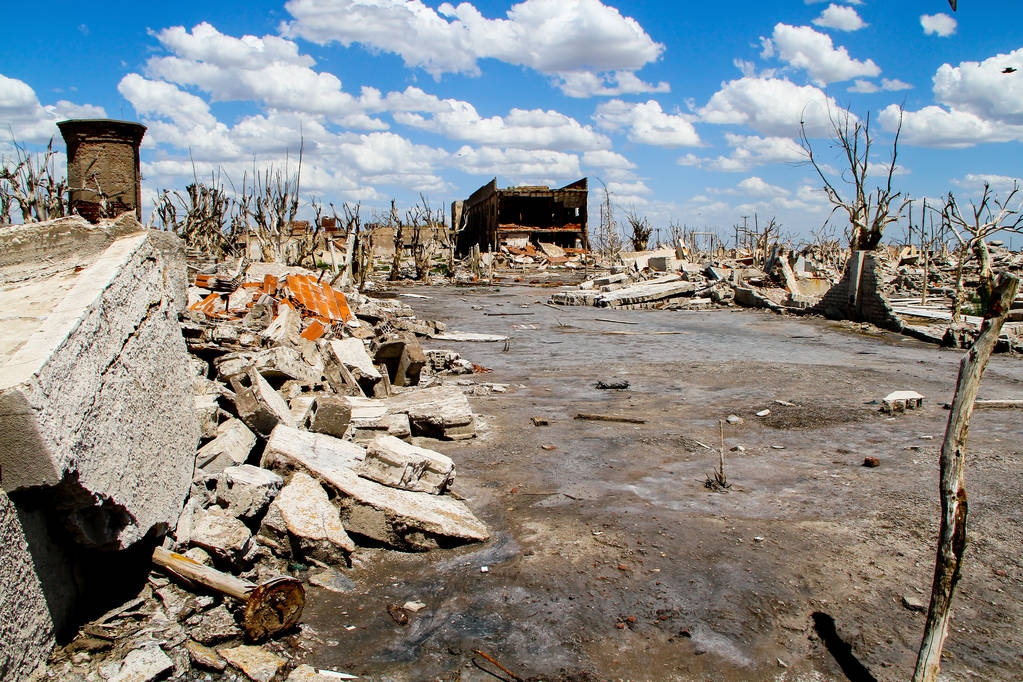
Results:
<point x="941" y="25"/>
<point x="28" y="120"/>
<point x="840" y="18"/>
<point x="750" y="151"/>
<point x="771" y="106"/>
<point x="524" y="129"/>
<point x="804" y="48"/>
<point x="647" y="123"/>
<point x="554" y="37"/>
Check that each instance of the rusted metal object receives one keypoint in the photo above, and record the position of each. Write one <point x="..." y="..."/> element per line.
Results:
<point x="271" y="607"/>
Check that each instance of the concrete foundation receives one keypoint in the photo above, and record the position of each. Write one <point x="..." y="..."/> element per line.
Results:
<point x="97" y="426"/>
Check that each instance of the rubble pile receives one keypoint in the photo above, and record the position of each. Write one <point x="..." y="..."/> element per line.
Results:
<point x="309" y="402"/>
<point x="673" y="279"/>
<point x="796" y="282"/>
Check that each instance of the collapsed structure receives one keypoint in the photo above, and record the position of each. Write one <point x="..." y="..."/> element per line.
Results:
<point x="518" y="216"/>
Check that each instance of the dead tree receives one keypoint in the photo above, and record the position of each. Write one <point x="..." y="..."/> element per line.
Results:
<point x="399" y="242"/>
<point x="204" y="225"/>
<point x="954" y="509"/>
<point x="609" y="240"/>
<point x="32" y="184"/>
<point x="972" y="229"/>
<point x="641" y="230"/>
<point x="423" y="223"/>
<point x="869" y="212"/>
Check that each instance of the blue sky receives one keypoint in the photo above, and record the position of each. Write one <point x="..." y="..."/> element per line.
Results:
<point x="689" y="112"/>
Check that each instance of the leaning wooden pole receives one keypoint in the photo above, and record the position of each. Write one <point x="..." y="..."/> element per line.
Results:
<point x="952" y="536"/>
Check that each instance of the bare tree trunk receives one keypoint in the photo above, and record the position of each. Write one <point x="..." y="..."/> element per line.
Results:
<point x="952" y="536"/>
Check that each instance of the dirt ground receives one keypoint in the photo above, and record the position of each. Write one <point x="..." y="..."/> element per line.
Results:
<point x="611" y="560"/>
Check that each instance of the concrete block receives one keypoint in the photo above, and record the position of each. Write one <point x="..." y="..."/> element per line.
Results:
<point x="221" y="534"/>
<point x="207" y="413"/>
<point x="258" y="404"/>
<point x="304" y="514"/>
<point x="399" y="518"/>
<point x="301" y="409"/>
<point x="437" y="412"/>
<point x="398" y="464"/>
<point x="231" y="447"/>
<point x="352" y="354"/>
<point x="95" y="385"/>
<point x="331" y="415"/>
<point x="404" y="358"/>
<point x="246" y="491"/>
<point x="370" y="417"/>
<point x="281" y="363"/>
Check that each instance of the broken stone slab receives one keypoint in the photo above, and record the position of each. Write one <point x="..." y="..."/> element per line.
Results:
<point x="207" y="412"/>
<point x="231" y="447"/>
<point x="280" y="363"/>
<point x="258" y="664"/>
<point x="221" y="534"/>
<point x="288" y="444"/>
<point x="301" y="409"/>
<point x="330" y="415"/>
<point x="352" y="354"/>
<point x="398" y="464"/>
<point x="303" y="517"/>
<point x="84" y="409"/>
<point x="399" y="518"/>
<point x="403" y="357"/>
<point x="286" y="327"/>
<point x="436" y="412"/>
<point x="371" y="416"/>
<point x="658" y="289"/>
<point x="204" y="656"/>
<point x="246" y="491"/>
<point x="143" y="665"/>
<point x="213" y="626"/>
<point x="587" y="297"/>
<point x="258" y="404"/>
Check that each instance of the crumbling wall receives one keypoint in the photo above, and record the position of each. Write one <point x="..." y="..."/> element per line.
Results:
<point x="857" y="296"/>
<point x="97" y="423"/>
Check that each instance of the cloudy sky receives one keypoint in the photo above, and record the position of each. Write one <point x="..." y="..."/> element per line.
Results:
<point x="686" y="111"/>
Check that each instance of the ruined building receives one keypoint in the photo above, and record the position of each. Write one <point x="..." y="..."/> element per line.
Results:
<point x="516" y="216"/>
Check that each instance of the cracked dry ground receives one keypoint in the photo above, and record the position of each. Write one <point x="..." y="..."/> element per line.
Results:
<point x="610" y="559"/>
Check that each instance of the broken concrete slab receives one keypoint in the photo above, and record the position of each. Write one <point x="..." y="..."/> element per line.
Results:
<point x="352" y="352"/>
<point x="330" y="415"/>
<point x="258" y="664"/>
<point x="82" y="402"/>
<point x="658" y="289"/>
<point x="288" y="444"/>
<point x="403" y="357"/>
<point x="279" y="363"/>
<point x="246" y="491"/>
<point x="258" y="404"/>
<point x="207" y="413"/>
<point x="231" y="447"/>
<point x="399" y="518"/>
<point x="221" y="534"/>
<point x="398" y="464"/>
<point x="304" y="518"/>
<point x="437" y="412"/>
<point x="371" y="416"/>
<point x="144" y="664"/>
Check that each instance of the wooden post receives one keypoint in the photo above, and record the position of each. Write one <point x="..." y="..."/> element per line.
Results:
<point x="952" y="536"/>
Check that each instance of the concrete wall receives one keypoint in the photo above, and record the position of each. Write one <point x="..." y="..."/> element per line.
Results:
<point x="97" y="426"/>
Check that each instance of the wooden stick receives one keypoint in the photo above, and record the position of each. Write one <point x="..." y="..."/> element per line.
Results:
<point x="954" y="509"/>
<point x="271" y="607"/>
<point x="503" y="669"/>
<point x="604" y="319"/>
<point x="609" y="418"/>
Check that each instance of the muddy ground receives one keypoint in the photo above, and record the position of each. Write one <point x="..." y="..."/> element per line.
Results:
<point x="611" y="560"/>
